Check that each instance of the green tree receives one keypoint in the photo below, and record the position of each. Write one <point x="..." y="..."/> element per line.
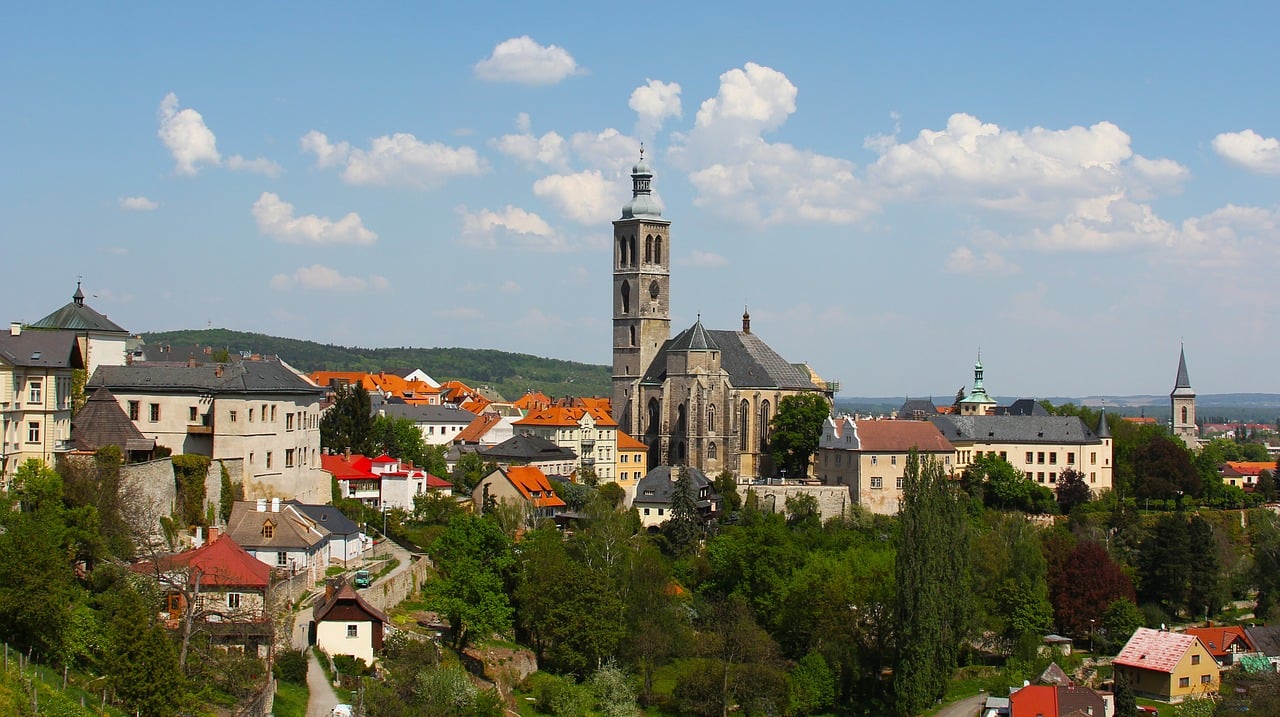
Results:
<point x="1072" y="490"/>
<point x="1164" y="564"/>
<point x="1264" y="534"/>
<point x="933" y="585"/>
<point x="685" y="527"/>
<point x="1120" y="620"/>
<point x="613" y="692"/>
<point x="143" y="671"/>
<point x="803" y="512"/>
<point x="348" y="424"/>
<point x="469" y="471"/>
<point x="400" y="438"/>
<point x="1162" y="469"/>
<point x="1206" y="588"/>
<point x="811" y="686"/>
<point x="1001" y="486"/>
<point x="473" y="556"/>
<point x="795" y="431"/>
<point x="1126" y="702"/>
<point x="726" y="485"/>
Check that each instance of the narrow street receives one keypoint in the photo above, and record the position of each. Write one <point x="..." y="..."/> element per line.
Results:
<point x="967" y="707"/>
<point x="323" y="698"/>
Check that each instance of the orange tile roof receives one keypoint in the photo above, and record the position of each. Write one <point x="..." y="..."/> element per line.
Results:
<point x="1155" y="650"/>
<point x="532" y="401"/>
<point x="1251" y="468"/>
<point x="478" y="429"/>
<point x="570" y="417"/>
<point x="529" y="480"/>
<point x="627" y="443"/>
<point x="1138" y="419"/>
<point x="1218" y="640"/>
<point x="475" y="404"/>
<point x="901" y="436"/>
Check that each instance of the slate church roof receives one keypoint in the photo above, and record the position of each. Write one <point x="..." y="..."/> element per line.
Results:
<point x="1014" y="429"/>
<point x="749" y="361"/>
<point x="79" y="317"/>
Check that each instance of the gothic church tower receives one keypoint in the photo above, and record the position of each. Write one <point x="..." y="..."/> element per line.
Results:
<point x="1183" y="404"/>
<point x="641" y="294"/>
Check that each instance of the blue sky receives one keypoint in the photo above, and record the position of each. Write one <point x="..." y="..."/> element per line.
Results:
<point x="1073" y="190"/>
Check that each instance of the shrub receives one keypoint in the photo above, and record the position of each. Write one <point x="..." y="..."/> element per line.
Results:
<point x="291" y="666"/>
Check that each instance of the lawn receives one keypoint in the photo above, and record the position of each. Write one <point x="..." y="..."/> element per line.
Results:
<point x="291" y="700"/>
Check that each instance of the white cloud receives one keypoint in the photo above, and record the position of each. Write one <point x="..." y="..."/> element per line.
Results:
<point x="653" y="102"/>
<point x="322" y="278"/>
<point x="395" y="160"/>
<point x="964" y="261"/>
<point x="585" y="197"/>
<point x="275" y="219"/>
<point x="1103" y="223"/>
<point x="549" y="149"/>
<point x="755" y="97"/>
<point x="1249" y="150"/>
<point x="705" y="259"/>
<point x="522" y="60"/>
<point x="184" y="133"/>
<point x="507" y="228"/>
<point x="261" y="165"/>
<point x="608" y="150"/>
<point x="138" y="204"/>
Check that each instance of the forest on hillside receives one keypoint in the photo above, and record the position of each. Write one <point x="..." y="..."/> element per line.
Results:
<point x="510" y="374"/>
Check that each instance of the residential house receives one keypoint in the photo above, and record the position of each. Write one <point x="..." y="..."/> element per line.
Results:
<point x="401" y="482"/>
<point x="1167" y="666"/>
<point x="343" y="623"/>
<point x="1041" y="447"/>
<point x="101" y="422"/>
<point x="384" y="384"/>
<point x="439" y="425"/>
<point x="1056" y="701"/>
<point x="281" y="536"/>
<point x="101" y="340"/>
<point x="589" y="431"/>
<point x="529" y="450"/>
<point x="36" y="368"/>
<point x="260" y="414"/>
<point x="524" y="486"/>
<point x="489" y="428"/>
<point x="1266" y="640"/>
<point x="533" y="401"/>
<point x="355" y="476"/>
<point x="225" y="586"/>
<point x="870" y="457"/>
<point x="345" y="539"/>
<point x="1225" y="642"/>
<point x="1244" y="474"/>
<point x="632" y="465"/>
<point x="654" y="494"/>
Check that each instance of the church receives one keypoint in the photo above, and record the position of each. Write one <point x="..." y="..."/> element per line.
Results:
<point x="704" y="398"/>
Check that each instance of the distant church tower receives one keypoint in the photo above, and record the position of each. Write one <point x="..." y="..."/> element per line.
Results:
<point x="977" y="403"/>
<point x="1183" y="404"/>
<point x="641" y="293"/>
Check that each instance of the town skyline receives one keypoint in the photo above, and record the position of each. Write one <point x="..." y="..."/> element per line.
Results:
<point x="1074" y="194"/>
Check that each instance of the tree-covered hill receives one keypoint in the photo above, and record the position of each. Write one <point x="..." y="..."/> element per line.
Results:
<point x="510" y="374"/>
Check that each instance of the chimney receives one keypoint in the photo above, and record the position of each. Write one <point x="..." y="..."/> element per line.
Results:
<point x="217" y="371"/>
<point x="346" y="453"/>
<point x="214" y="532"/>
<point x="262" y="505"/>
<point x="191" y="362"/>
<point x="15" y="328"/>
<point x="275" y="505"/>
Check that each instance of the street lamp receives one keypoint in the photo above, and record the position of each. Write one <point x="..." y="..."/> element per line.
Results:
<point x="1091" y="621"/>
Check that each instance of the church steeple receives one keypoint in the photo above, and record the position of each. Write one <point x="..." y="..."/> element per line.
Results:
<point x="977" y="403"/>
<point x="78" y="297"/>
<point x="1182" y="405"/>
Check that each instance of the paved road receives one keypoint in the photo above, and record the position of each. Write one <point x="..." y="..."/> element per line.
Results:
<point x="967" y="707"/>
<point x="322" y="698"/>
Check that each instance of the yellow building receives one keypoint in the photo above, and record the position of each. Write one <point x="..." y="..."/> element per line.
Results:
<point x="35" y="396"/>
<point x="1167" y="666"/>
<point x="870" y="457"/>
<point x="632" y="464"/>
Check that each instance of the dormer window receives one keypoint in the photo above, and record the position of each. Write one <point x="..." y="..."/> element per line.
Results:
<point x="268" y="530"/>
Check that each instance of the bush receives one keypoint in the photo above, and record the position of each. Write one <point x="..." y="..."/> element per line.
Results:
<point x="558" y="696"/>
<point x="291" y="666"/>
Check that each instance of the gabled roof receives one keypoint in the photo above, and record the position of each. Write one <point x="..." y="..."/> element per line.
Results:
<point x="1249" y="468"/>
<point x="627" y="443"/>
<point x="901" y="437"/>
<point x="532" y="400"/>
<point x="478" y="428"/>
<point x="327" y="517"/>
<point x="1014" y="429"/>
<point x="41" y="349"/>
<point x="1265" y="638"/>
<point x="527" y="449"/>
<point x="265" y="376"/>
<point x="79" y="317"/>
<point x="1219" y="639"/>
<point x="917" y="409"/>
<point x="346" y="595"/>
<point x="657" y="487"/>
<point x="101" y="422"/>
<point x="342" y="467"/>
<point x="291" y="529"/>
<point x="748" y="360"/>
<point x="1155" y="650"/>
<point x="1053" y="675"/>
<point x="569" y="417"/>
<point x="222" y="564"/>
<point x="532" y="482"/>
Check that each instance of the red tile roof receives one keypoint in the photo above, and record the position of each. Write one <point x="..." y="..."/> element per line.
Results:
<point x="627" y="443"/>
<point x="1251" y="468"/>
<point x="1034" y="700"/>
<point x="567" y="417"/>
<point x="532" y="401"/>
<point x="1155" y="649"/>
<point x="1218" y="640"/>
<point x="222" y="563"/>
<point x="529" y="480"/>
<point x="901" y="436"/>
<point x="358" y="467"/>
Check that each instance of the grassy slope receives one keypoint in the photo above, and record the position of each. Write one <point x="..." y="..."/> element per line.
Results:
<point x="510" y="374"/>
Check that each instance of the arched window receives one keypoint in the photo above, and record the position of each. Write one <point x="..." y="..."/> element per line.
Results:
<point x="711" y="419"/>
<point x="744" y="424"/>
<point x="682" y="420"/>
<point x="657" y="250"/>
<point x="1184" y="414"/>
<point x="648" y="249"/>
<point x="622" y="251"/>
<point x="626" y="297"/>
<point x="711" y="450"/>
<point x="764" y="425"/>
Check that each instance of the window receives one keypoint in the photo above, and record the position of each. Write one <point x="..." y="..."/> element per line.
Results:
<point x="264" y="413"/>
<point x="353" y="631"/>
<point x="268" y="530"/>
<point x="1053" y="477"/>
<point x="1093" y="458"/>
<point x="33" y="432"/>
<point x="250" y="415"/>
<point x="233" y="601"/>
<point x="1093" y="477"/>
<point x="874" y="460"/>
<point x="155" y="412"/>
<point x="34" y="395"/>
<point x="1195" y="659"/>
<point x="711" y="419"/>
<point x="1184" y="681"/>
<point x="1205" y="679"/>
<point x="288" y="458"/>
<point x="273" y="414"/>
<point x="250" y="459"/>
<point x="893" y="460"/>
<point x="711" y="450"/>
<point x="282" y="560"/>
<point x="897" y="483"/>
<point x="1040" y="477"/>
<point x="623" y="458"/>
<point x="193" y="414"/>
<point x="232" y="416"/>
<point x="133" y="410"/>
<point x="1029" y="456"/>
<point x="268" y="459"/>
<point x="288" y="422"/>
<point x="646" y="511"/>
<point x="1040" y="457"/>
<point x="1053" y="458"/>
<point x="877" y="483"/>
<point x="660" y="511"/>
<point x="1004" y="455"/>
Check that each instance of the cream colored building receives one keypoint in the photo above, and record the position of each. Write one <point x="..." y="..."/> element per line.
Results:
<point x="260" y="411"/>
<point x="36" y="369"/>
<point x="870" y="457"/>
<point x="590" y="432"/>
<point x="1042" y="447"/>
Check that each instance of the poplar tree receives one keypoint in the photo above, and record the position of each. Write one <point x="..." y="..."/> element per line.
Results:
<point x="933" y="585"/>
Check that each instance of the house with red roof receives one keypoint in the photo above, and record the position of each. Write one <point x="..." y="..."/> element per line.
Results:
<point x="1167" y="666"/>
<point x="1056" y="701"/>
<point x="1244" y="474"/>
<point x="525" y="486"/>
<point x="588" y="431"/>
<point x="1225" y="642"/>
<point x="225" y="588"/>
<point x="355" y="476"/>
<point x="870" y="456"/>
<point x="383" y="480"/>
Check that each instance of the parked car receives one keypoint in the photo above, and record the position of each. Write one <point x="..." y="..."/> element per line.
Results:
<point x="363" y="579"/>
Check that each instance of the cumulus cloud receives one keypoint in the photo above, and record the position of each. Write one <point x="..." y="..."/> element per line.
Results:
<point x="275" y="219"/>
<point x="653" y="103"/>
<point x="585" y="197"/>
<point x="261" y="165"/>
<point x="138" y="204"/>
<point x="318" y="277"/>
<point x="1249" y="150"/>
<point x="964" y="261"/>
<point x="705" y="259"/>
<point x="395" y="160"/>
<point x="607" y="150"/>
<point x="189" y="141"/>
<point x="550" y="149"/>
<point x="756" y="97"/>
<point x="510" y="227"/>
<point x="523" y="61"/>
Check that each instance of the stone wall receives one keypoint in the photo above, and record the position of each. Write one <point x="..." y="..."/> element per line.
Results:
<point x="390" y="591"/>
<point x="833" y="500"/>
<point x="153" y="483"/>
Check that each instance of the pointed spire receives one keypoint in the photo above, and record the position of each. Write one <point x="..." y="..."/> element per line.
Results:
<point x="746" y="321"/>
<point x="1104" y="431"/>
<point x="1183" y="381"/>
<point x="78" y="297"/>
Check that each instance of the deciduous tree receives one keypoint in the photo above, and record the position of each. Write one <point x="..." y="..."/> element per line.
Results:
<point x="795" y="431"/>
